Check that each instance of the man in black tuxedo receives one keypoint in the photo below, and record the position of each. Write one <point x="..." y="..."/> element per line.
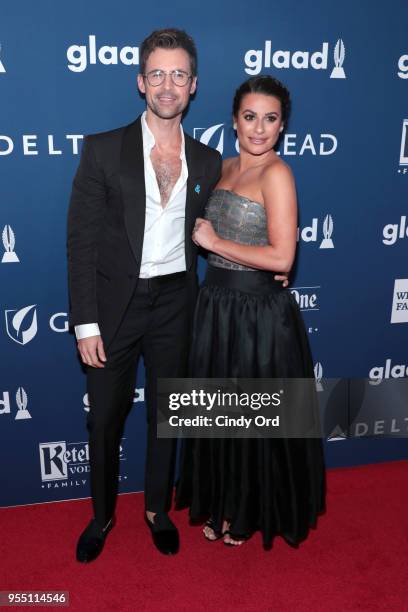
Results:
<point x="132" y="274"/>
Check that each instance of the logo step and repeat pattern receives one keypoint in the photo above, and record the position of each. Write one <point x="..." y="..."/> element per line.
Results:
<point x="257" y="60"/>
<point x="403" y="160"/>
<point x="65" y="464"/>
<point x="95" y="65"/>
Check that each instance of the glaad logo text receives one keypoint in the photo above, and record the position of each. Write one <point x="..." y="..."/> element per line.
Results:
<point x="309" y="234"/>
<point x="403" y="67"/>
<point x="138" y="396"/>
<point x="79" y="56"/>
<point x="256" y="59"/>
<point x="394" y="231"/>
<point x="378" y="373"/>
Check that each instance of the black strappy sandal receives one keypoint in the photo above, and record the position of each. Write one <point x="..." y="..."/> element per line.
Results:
<point x="237" y="537"/>
<point x="218" y="534"/>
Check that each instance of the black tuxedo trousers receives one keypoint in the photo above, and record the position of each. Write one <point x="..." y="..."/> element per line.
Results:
<point x="155" y="326"/>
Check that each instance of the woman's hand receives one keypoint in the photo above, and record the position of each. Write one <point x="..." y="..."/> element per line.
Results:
<point x="204" y="234"/>
<point x="282" y="277"/>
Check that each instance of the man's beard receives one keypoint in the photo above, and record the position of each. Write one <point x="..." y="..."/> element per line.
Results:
<point x="165" y="112"/>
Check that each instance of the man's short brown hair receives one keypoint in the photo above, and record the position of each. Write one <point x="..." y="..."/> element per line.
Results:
<point x="170" y="38"/>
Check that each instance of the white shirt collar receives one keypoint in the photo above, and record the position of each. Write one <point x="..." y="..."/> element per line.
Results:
<point x="149" y="141"/>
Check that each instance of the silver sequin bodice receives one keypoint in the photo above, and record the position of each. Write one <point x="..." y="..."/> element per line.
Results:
<point x="235" y="217"/>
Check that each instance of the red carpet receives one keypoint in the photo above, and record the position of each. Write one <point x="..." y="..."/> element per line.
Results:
<point x="356" y="559"/>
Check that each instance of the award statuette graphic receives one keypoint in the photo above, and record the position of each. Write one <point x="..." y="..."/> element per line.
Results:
<point x="339" y="55"/>
<point x="318" y="372"/>
<point x="327" y="242"/>
<point x="22" y="401"/>
<point x="2" y="68"/>
<point x="9" y="242"/>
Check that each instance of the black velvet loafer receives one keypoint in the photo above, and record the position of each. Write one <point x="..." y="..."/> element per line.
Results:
<point x="164" y="533"/>
<point x="91" y="541"/>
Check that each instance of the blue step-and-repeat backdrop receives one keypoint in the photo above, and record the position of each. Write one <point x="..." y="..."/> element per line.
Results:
<point x="68" y="69"/>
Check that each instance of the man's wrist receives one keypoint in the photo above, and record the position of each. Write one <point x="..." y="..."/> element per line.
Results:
<point x="86" y="330"/>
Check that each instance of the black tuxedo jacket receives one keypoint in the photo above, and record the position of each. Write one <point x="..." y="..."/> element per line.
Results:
<point x="106" y="221"/>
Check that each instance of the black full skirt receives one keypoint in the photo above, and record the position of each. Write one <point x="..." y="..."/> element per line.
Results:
<point x="247" y="326"/>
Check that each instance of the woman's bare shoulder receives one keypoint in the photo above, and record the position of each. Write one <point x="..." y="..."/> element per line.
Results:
<point x="277" y="171"/>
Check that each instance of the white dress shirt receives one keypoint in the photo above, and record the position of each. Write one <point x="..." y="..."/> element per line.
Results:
<point x="163" y="242"/>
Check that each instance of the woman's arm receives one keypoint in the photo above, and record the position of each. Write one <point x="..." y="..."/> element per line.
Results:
<point x="279" y="193"/>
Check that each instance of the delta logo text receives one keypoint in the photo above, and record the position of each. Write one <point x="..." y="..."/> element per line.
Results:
<point x="399" y="312"/>
<point x="21" y="403"/>
<point x="395" y="231"/>
<point x="403" y="160"/>
<point x="9" y="243"/>
<point x="222" y="138"/>
<point x="257" y="59"/>
<point x="66" y="464"/>
<point x="403" y="66"/>
<point x="81" y="56"/>
<point x="22" y="324"/>
<point x="49" y="144"/>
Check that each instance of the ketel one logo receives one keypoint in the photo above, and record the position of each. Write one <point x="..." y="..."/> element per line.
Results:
<point x="214" y="133"/>
<point x="9" y="242"/>
<point x="21" y="324"/>
<point x="2" y="68"/>
<point x="57" y="461"/>
<point x="306" y="297"/>
<point x="21" y="401"/>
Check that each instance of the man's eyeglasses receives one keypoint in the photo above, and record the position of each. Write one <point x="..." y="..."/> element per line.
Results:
<point x="156" y="77"/>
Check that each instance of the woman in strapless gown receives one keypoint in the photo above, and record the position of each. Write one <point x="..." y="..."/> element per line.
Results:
<point x="247" y="325"/>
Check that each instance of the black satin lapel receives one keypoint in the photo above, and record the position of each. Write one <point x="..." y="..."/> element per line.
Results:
<point x="133" y="186"/>
<point x="194" y="194"/>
